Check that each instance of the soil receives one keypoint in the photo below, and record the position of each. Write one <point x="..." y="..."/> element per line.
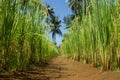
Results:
<point x="61" y="68"/>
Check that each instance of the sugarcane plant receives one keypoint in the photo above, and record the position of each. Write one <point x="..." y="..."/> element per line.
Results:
<point x="94" y="38"/>
<point x="23" y="35"/>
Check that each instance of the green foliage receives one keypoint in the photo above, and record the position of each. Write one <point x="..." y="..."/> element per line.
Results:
<point x="23" y="37"/>
<point x="95" y="39"/>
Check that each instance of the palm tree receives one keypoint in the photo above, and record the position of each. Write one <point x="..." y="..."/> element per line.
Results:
<point x="54" y="23"/>
<point x="49" y="13"/>
<point x="55" y="29"/>
<point x="75" y="6"/>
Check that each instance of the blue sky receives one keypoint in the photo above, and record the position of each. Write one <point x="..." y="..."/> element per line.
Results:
<point x="61" y="9"/>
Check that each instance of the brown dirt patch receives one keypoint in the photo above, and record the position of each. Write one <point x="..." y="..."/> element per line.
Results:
<point x="61" y="68"/>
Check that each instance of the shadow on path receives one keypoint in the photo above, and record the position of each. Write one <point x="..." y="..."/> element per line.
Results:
<point x="48" y="72"/>
<point x="60" y="68"/>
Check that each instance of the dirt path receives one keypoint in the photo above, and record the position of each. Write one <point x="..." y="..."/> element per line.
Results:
<point x="61" y="68"/>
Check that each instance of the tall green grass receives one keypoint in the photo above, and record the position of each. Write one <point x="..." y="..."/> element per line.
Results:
<point x="95" y="39"/>
<point x="23" y="37"/>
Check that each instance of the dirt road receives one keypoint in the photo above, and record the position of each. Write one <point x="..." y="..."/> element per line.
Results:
<point x="61" y="68"/>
